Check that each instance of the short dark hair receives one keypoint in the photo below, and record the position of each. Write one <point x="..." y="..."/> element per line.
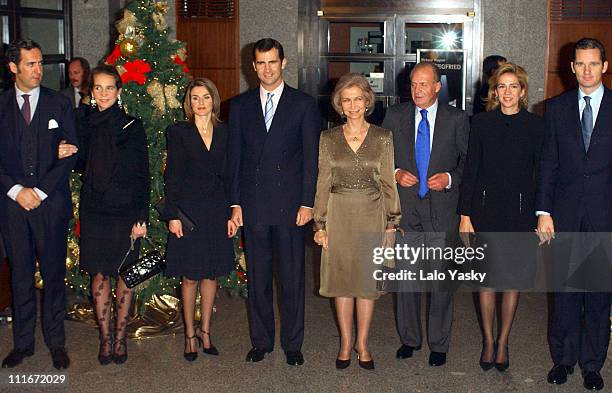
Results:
<point x="427" y="64"/>
<point x="107" y="70"/>
<point x="84" y="65"/>
<point x="266" y="44"/>
<point x="13" y="53"/>
<point x="590" y="43"/>
<point x="491" y="63"/>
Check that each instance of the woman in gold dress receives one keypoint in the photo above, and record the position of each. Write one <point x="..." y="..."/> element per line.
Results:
<point x="356" y="209"/>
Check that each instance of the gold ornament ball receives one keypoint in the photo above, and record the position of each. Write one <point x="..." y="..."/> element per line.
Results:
<point x="128" y="47"/>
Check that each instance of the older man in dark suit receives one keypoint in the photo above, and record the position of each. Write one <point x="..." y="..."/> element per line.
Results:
<point x="272" y="158"/>
<point x="430" y="142"/>
<point x="574" y="190"/>
<point x="35" y="203"/>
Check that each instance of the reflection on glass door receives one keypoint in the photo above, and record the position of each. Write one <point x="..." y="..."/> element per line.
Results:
<point x="433" y="36"/>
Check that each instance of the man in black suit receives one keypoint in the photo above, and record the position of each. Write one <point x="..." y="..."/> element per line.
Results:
<point x="430" y="142"/>
<point x="272" y="158"/>
<point x="573" y="195"/>
<point x="35" y="203"/>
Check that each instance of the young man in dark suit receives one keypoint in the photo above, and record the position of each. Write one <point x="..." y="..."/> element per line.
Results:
<point x="573" y="195"/>
<point x="430" y="142"/>
<point x="35" y="203"/>
<point x="272" y="169"/>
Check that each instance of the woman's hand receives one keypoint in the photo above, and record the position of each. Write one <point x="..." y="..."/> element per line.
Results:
<point x="320" y="238"/>
<point x="465" y="228"/>
<point x="389" y="238"/>
<point x="66" y="150"/>
<point x="176" y="228"/>
<point x="139" y="230"/>
<point x="232" y="228"/>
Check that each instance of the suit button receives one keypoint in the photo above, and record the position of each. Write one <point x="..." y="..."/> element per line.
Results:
<point x="282" y="210"/>
<point x="31" y="173"/>
<point x="278" y="167"/>
<point x="586" y="176"/>
<point x="278" y="184"/>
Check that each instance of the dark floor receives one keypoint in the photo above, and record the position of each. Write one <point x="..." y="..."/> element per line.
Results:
<point x="157" y="365"/>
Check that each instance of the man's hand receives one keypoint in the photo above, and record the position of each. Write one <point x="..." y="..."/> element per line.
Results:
<point x="545" y="229"/>
<point x="405" y="178"/>
<point x="438" y="182"/>
<point x="28" y="199"/>
<point x="304" y="215"/>
<point x="176" y="227"/>
<point x="237" y="216"/>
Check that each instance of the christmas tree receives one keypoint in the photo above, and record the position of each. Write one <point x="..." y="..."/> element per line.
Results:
<point x="154" y="73"/>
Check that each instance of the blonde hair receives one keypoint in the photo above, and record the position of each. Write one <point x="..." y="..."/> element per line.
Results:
<point x="349" y="80"/>
<point x="214" y="93"/>
<point x="507" y="68"/>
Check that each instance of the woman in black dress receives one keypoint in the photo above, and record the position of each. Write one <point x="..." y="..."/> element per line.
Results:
<point x="497" y="195"/>
<point x="195" y="188"/>
<point x="114" y="202"/>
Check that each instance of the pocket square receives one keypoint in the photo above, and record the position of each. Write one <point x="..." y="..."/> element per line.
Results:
<point x="52" y="124"/>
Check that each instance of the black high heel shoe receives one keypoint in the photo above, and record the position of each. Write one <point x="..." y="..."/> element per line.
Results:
<point x="210" y="350"/>
<point x="503" y="366"/>
<point x="190" y="356"/>
<point x="486" y="366"/>
<point x="105" y="357"/>
<point x="365" y="364"/>
<point x="120" y="358"/>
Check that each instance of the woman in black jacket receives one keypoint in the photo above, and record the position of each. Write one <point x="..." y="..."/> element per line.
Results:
<point x="114" y="202"/>
<point x="497" y="201"/>
<point x="195" y="190"/>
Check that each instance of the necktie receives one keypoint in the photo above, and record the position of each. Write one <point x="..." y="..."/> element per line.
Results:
<point x="25" y="108"/>
<point x="422" y="153"/>
<point x="587" y="122"/>
<point x="268" y="112"/>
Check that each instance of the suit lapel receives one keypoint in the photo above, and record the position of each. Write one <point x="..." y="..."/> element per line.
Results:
<point x="408" y="136"/>
<point x="282" y="110"/>
<point x="604" y="117"/>
<point x="11" y="111"/>
<point x="573" y="121"/>
<point x="438" y="133"/>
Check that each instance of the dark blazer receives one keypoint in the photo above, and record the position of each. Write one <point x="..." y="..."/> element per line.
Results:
<point x="448" y="153"/>
<point x="128" y="194"/>
<point x="271" y="174"/>
<point x="192" y="173"/>
<point x="52" y="174"/>
<point x="499" y="181"/>
<point x="570" y="177"/>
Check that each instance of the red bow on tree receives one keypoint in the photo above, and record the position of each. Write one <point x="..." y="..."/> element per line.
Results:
<point x="114" y="56"/>
<point x="179" y="61"/>
<point x="135" y="71"/>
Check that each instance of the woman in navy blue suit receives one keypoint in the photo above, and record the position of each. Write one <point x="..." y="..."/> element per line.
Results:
<point x="497" y="195"/>
<point x="195" y="188"/>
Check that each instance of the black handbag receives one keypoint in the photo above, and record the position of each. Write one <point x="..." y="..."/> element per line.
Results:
<point x="187" y="224"/>
<point x="149" y="265"/>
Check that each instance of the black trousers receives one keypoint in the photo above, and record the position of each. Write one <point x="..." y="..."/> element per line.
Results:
<point x="261" y="243"/>
<point x="29" y="236"/>
<point x="580" y="325"/>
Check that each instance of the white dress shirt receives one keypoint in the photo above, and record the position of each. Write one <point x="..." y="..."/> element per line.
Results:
<point x="263" y="95"/>
<point x="432" y="111"/>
